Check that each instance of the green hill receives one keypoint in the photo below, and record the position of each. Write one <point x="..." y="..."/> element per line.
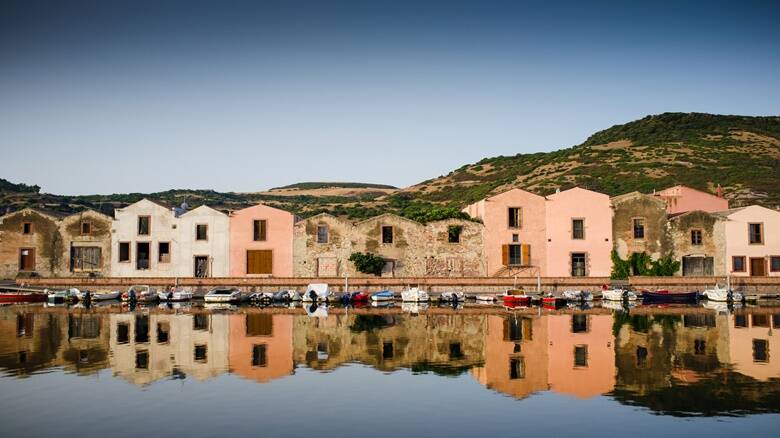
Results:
<point x="740" y="153"/>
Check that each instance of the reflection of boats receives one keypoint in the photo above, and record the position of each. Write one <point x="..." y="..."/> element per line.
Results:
<point x="486" y="299"/>
<point x="516" y="297"/>
<point x="578" y="295"/>
<point x="413" y="307"/>
<point x="220" y="306"/>
<point x="223" y="295"/>
<point x="317" y="292"/>
<point x="384" y="295"/>
<point x="354" y="297"/>
<point x="143" y="293"/>
<point x="551" y="301"/>
<point x="175" y="295"/>
<point x="618" y="305"/>
<point x="618" y="295"/>
<point x="452" y="297"/>
<point x="721" y="306"/>
<point x="64" y="296"/>
<point x="722" y="293"/>
<point x="261" y="297"/>
<point x="385" y="303"/>
<point x="316" y="310"/>
<point x="664" y="296"/>
<point x="22" y="297"/>
<point x="415" y="295"/>
<point x="175" y="305"/>
<point x="105" y="295"/>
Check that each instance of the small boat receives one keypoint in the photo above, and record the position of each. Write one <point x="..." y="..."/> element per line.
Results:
<point x="384" y="295"/>
<point x="413" y="306"/>
<point x="664" y="296"/>
<point x="452" y="297"/>
<point x="175" y="295"/>
<point x="617" y="305"/>
<point x="261" y="298"/>
<point x="224" y="305"/>
<point x="287" y="295"/>
<point x="386" y="303"/>
<point x="550" y="301"/>
<point x="578" y="295"/>
<point x="618" y="295"/>
<point x="64" y="296"/>
<point x="516" y="297"/>
<point x="722" y="293"/>
<point x="142" y="293"/>
<point x="354" y="297"/>
<point x="23" y="297"/>
<point x="317" y="292"/>
<point x="486" y="299"/>
<point x="223" y="295"/>
<point x="316" y="310"/>
<point x="414" y="295"/>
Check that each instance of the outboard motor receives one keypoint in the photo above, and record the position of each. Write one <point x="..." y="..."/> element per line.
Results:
<point x="132" y="298"/>
<point x="170" y="295"/>
<point x="730" y="296"/>
<point x="313" y="295"/>
<point x="346" y="298"/>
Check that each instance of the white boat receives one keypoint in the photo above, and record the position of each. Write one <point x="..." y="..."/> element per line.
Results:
<point x="175" y="295"/>
<point x="722" y="293"/>
<point x="721" y="307"/>
<point x="453" y="296"/>
<point x="578" y="295"/>
<point x="617" y="305"/>
<point x="414" y="295"/>
<point x="143" y="293"/>
<point x="316" y="292"/>
<point x="618" y="295"/>
<point x="63" y="296"/>
<point x="384" y="295"/>
<point x="487" y="299"/>
<point x="223" y="295"/>
<point x="316" y="310"/>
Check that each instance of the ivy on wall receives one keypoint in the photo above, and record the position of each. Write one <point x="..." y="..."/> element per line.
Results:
<point x="367" y="263"/>
<point x="642" y="264"/>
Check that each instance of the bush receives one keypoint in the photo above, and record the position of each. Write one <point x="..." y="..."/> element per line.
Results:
<point x="640" y="263"/>
<point x="367" y="263"/>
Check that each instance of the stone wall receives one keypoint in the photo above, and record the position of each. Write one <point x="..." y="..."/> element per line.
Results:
<point x="713" y="241"/>
<point x="99" y="235"/>
<point x="44" y="238"/>
<point x="656" y="242"/>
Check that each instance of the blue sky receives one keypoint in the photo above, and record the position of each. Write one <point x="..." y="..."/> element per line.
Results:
<point x="104" y="97"/>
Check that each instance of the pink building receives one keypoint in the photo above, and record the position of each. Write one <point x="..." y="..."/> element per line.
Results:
<point x="579" y="234"/>
<point x="752" y="241"/>
<point x="680" y="199"/>
<point x="515" y="233"/>
<point x="261" y="242"/>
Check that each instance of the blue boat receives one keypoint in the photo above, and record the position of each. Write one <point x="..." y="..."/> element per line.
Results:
<point x="384" y="295"/>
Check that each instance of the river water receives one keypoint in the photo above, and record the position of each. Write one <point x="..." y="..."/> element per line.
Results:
<point x="194" y="371"/>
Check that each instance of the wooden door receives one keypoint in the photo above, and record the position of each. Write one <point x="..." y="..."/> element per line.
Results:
<point x="27" y="259"/>
<point x="259" y="261"/>
<point x="757" y="267"/>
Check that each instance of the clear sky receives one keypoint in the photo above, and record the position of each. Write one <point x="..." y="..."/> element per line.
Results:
<point x="141" y="96"/>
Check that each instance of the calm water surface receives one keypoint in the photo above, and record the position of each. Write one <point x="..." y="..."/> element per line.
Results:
<point x="194" y="371"/>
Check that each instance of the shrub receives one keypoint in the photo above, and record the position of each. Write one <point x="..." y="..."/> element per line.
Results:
<point x="367" y="263"/>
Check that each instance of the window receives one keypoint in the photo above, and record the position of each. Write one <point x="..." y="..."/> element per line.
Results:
<point x="774" y="263"/>
<point x="516" y="368"/>
<point x="455" y="351"/>
<point x="142" y="255"/>
<point x="740" y="321"/>
<point x="738" y="264"/>
<point x="641" y="357"/>
<point x="200" y="321"/>
<point x="639" y="228"/>
<point x="453" y="233"/>
<point x="142" y="360"/>
<point x="756" y="234"/>
<point x="201" y="232"/>
<point x="85" y="258"/>
<point x="322" y="234"/>
<point x="122" y="333"/>
<point x="27" y="228"/>
<point x="387" y="234"/>
<point x="164" y="252"/>
<point x="86" y="228"/>
<point x="515" y="255"/>
<point x="259" y="324"/>
<point x="200" y="353"/>
<point x="163" y="333"/>
<point x="387" y="350"/>
<point x="579" y="323"/>
<point x="699" y="346"/>
<point x="515" y="238"/>
<point x="580" y="355"/>
<point x="141" y="329"/>
<point x="760" y="350"/>
<point x="695" y="237"/>
<point x="124" y="252"/>
<point x="758" y="320"/>
<point x="515" y="217"/>
<point x="259" y="358"/>
<point x="578" y="228"/>
<point x="260" y="230"/>
<point x="27" y="259"/>
<point x="578" y="264"/>
<point x="143" y="225"/>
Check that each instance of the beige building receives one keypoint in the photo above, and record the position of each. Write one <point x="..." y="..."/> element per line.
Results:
<point x="639" y="224"/>
<point x="322" y="246"/>
<point x="699" y="241"/>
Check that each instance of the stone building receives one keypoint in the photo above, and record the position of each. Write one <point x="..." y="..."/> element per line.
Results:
<point x="30" y="244"/>
<point x="699" y="242"/>
<point x="448" y="248"/>
<point x="86" y="244"/>
<point x="640" y="224"/>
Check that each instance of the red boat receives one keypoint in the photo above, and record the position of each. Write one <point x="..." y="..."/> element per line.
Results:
<point x="359" y="297"/>
<point x="517" y="300"/>
<point x="551" y="302"/>
<point x="22" y="297"/>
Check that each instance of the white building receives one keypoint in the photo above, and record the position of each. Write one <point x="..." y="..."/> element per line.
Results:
<point x="144" y="241"/>
<point x="204" y="249"/>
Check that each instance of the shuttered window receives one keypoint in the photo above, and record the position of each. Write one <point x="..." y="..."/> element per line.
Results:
<point x="516" y="255"/>
<point x="85" y="258"/>
<point x="259" y="261"/>
<point x="259" y="324"/>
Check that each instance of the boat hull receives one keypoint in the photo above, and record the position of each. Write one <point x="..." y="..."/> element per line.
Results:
<point x="6" y="297"/>
<point x="670" y="297"/>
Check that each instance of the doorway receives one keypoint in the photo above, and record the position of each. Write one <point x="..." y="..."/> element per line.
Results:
<point x="757" y="267"/>
<point x="696" y="266"/>
<point x="142" y="254"/>
<point x="201" y="266"/>
<point x="27" y="259"/>
<point x="578" y="264"/>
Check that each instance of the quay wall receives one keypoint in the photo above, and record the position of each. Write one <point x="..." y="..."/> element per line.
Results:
<point x="751" y="285"/>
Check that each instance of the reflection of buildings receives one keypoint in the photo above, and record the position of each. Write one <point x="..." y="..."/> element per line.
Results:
<point x="261" y="346"/>
<point x="570" y="354"/>
<point x="147" y="347"/>
<point x="445" y="344"/>
<point x="753" y="345"/>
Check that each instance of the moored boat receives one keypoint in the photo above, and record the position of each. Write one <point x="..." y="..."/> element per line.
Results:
<point x="317" y="292"/>
<point x="261" y="298"/>
<point x="722" y="293"/>
<point x="64" y="296"/>
<point x="516" y="297"/>
<point x="618" y="295"/>
<point x="486" y="299"/>
<point x="143" y="293"/>
<point x="23" y="297"/>
<point x="384" y="295"/>
<point x="223" y="295"/>
<point x="665" y="296"/>
<point x="175" y="295"/>
<point x="414" y="295"/>
<point x="354" y="297"/>
<point x="551" y="301"/>
<point x="578" y="295"/>
<point x="452" y="297"/>
<point x="287" y="295"/>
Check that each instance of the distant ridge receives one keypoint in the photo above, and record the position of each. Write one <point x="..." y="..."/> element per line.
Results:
<point x="343" y="185"/>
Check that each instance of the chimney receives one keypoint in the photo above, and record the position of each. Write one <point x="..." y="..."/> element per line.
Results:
<point x="719" y="191"/>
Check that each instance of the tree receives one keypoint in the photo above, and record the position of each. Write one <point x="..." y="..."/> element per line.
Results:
<point x="367" y="263"/>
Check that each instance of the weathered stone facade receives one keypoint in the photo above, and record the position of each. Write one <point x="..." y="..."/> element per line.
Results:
<point x="699" y="242"/>
<point x="323" y="244"/>
<point x="86" y="229"/>
<point x="656" y="241"/>
<point x="36" y="234"/>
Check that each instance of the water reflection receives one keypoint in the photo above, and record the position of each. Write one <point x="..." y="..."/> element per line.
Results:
<point x="678" y="361"/>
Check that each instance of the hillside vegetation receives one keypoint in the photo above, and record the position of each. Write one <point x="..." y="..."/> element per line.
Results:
<point x="740" y="153"/>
